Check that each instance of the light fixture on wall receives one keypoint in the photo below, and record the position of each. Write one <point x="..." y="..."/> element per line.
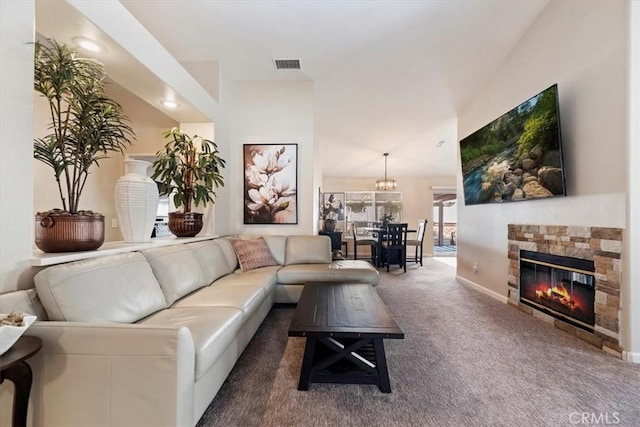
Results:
<point x="386" y="184"/>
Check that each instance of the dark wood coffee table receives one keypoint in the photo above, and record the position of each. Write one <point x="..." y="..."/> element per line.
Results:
<point x="345" y="325"/>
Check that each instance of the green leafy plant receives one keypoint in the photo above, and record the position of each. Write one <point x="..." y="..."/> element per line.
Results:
<point x="86" y="124"/>
<point x="540" y="129"/>
<point x="189" y="168"/>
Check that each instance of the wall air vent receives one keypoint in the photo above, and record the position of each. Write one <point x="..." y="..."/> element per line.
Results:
<point x="287" y="64"/>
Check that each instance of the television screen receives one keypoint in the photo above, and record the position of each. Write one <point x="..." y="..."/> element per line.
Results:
<point x="516" y="157"/>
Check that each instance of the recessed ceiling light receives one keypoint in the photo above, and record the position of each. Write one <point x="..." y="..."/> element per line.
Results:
<point x="441" y="143"/>
<point x="169" y="103"/>
<point x="88" y="44"/>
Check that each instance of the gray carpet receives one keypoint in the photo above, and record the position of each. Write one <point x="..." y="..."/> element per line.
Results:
<point x="467" y="360"/>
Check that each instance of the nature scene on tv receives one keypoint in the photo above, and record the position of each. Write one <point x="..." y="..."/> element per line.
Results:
<point x="515" y="157"/>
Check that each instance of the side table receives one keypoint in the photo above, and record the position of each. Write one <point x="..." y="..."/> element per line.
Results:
<point x="14" y="367"/>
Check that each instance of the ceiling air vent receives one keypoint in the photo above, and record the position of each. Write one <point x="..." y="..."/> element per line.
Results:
<point x="287" y="64"/>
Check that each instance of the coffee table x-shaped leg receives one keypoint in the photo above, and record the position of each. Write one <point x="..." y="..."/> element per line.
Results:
<point x="355" y="361"/>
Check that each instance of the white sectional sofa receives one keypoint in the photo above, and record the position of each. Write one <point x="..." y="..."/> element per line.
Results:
<point x="148" y="338"/>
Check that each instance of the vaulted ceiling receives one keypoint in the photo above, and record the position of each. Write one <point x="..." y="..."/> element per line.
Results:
<point x="389" y="76"/>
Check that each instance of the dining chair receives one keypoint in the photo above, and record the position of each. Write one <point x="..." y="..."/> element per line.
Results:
<point x="394" y="247"/>
<point x="418" y="241"/>
<point x="364" y="240"/>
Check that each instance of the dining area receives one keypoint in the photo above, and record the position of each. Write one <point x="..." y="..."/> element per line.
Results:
<point x="387" y="245"/>
<point x="372" y="226"/>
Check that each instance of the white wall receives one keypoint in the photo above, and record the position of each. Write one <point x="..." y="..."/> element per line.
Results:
<point x="16" y="145"/>
<point x="581" y="46"/>
<point x="224" y="199"/>
<point x="631" y="293"/>
<point x="272" y="112"/>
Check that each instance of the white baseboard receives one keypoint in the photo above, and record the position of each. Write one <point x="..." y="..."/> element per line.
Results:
<point x="482" y="289"/>
<point x="631" y="357"/>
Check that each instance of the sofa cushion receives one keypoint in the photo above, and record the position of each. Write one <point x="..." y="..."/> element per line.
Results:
<point x="265" y="277"/>
<point x="357" y="271"/>
<point x="246" y="298"/>
<point x="308" y="250"/>
<point x="177" y="269"/>
<point x="253" y="254"/>
<point x="212" y="330"/>
<point x="339" y="271"/>
<point x="229" y="253"/>
<point x="300" y="273"/>
<point x="212" y="259"/>
<point x="277" y="245"/>
<point x="116" y="288"/>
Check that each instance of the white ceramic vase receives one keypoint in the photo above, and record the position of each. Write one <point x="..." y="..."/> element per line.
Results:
<point x="136" y="202"/>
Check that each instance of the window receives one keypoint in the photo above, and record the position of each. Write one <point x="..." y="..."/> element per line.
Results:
<point x="367" y="208"/>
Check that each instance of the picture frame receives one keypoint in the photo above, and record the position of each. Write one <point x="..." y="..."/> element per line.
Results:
<point x="333" y="206"/>
<point x="270" y="183"/>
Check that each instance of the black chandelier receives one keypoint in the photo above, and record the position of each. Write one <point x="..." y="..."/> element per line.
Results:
<point x="386" y="184"/>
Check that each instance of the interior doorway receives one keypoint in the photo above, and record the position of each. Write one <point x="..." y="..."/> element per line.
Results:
<point x="445" y="222"/>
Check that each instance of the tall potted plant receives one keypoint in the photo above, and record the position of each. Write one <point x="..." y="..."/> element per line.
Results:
<point x="86" y="125"/>
<point x="190" y="169"/>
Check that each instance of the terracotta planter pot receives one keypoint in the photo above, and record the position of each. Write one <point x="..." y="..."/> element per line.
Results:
<point x="185" y="224"/>
<point x="67" y="232"/>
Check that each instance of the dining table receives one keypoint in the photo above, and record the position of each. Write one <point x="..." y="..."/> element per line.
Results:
<point x="379" y="233"/>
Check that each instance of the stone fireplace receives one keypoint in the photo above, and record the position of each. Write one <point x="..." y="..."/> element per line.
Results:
<point x="569" y="276"/>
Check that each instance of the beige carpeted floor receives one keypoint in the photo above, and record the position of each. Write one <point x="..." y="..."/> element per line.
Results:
<point x="467" y="360"/>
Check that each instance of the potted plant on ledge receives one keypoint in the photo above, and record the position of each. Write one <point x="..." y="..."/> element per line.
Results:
<point x="190" y="169"/>
<point x="85" y="126"/>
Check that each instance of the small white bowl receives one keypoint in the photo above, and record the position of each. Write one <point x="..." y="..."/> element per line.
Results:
<point x="10" y="334"/>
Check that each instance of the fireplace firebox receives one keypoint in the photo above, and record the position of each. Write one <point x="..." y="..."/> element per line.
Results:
<point x="560" y="286"/>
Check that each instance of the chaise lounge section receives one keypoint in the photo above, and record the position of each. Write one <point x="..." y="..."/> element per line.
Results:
<point x="148" y="338"/>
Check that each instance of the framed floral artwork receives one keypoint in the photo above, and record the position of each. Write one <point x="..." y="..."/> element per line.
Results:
<point x="270" y="183"/>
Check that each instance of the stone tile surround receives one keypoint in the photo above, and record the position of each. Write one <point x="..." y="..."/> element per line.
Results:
<point x="599" y="244"/>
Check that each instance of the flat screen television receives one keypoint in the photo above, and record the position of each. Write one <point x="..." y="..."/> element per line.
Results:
<point x="516" y="157"/>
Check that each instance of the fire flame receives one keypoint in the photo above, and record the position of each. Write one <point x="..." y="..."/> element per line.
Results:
<point x="557" y="293"/>
<point x="569" y="298"/>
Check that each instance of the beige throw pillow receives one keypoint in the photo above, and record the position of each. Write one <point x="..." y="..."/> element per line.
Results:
<point x="253" y="254"/>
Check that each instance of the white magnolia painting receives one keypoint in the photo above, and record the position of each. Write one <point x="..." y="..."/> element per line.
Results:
<point x="270" y="183"/>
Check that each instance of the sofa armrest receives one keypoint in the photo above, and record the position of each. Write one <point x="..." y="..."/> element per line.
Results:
<point x="116" y="339"/>
<point x="113" y="374"/>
